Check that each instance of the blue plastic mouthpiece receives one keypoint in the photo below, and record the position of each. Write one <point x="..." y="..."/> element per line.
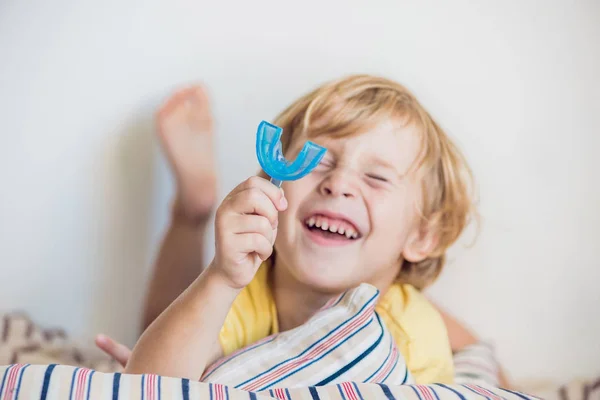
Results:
<point x="272" y="161"/>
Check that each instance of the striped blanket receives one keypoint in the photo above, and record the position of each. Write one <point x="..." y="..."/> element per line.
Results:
<point x="37" y="363"/>
<point x="53" y="382"/>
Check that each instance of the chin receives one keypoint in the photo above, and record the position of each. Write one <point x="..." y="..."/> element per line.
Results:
<point x="323" y="275"/>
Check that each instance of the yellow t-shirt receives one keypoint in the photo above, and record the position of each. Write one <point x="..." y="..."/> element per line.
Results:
<point x="415" y="324"/>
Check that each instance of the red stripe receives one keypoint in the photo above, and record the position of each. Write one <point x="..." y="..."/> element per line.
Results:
<point x="149" y="387"/>
<point x="331" y="302"/>
<point x="78" y="387"/>
<point x="484" y="392"/>
<point x="9" y="383"/>
<point x="86" y="376"/>
<point x="313" y="353"/>
<point x="425" y="391"/>
<point x="12" y="377"/>
<point x="279" y="393"/>
<point x="349" y="390"/>
<point x="388" y="367"/>
<point x="391" y="364"/>
<point x="153" y="387"/>
<point x="81" y="379"/>
<point x="218" y="391"/>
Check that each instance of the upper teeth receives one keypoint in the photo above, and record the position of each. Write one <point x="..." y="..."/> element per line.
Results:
<point x="335" y="227"/>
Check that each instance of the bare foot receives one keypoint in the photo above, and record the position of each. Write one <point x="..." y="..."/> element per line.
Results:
<point x="185" y="128"/>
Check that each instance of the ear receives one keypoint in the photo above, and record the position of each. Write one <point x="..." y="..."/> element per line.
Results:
<point x="420" y="244"/>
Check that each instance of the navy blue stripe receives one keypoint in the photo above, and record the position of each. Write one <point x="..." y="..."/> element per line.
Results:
<point x="6" y="371"/>
<point x="20" y="379"/>
<point x="405" y="375"/>
<point x="116" y="383"/>
<point x="73" y="383"/>
<point x="46" y="383"/>
<point x="185" y="389"/>
<point x="341" y="391"/>
<point x="323" y="355"/>
<point x="89" y="384"/>
<point x="272" y="394"/>
<point x="460" y="396"/>
<point x="392" y="369"/>
<point x="142" y="389"/>
<point x="339" y="300"/>
<point x="226" y="392"/>
<point x="416" y="392"/>
<point x="252" y="395"/>
<point x="287" y="393"/>
<point x="518" y="394"/>
<point x="434" y="392"/>
<point x="210" y="387"/>
<point x="358" y="391"/>
<point x="383" y="363"/>
<point x="159" y="385"/>
<point x="331" y="333"/>
<point x="313" y="393"/>
<point x="386" y="391"/>
<point x="365" y="353"/>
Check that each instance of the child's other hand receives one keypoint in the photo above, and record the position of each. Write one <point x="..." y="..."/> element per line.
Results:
<point x="119" y="352"/>
<point x="245" y="230"/>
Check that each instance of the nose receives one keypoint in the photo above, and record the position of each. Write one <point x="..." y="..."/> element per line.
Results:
<point x="338" y="184"/>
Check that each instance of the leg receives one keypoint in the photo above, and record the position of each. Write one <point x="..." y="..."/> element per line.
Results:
<point x="185" y="128"/>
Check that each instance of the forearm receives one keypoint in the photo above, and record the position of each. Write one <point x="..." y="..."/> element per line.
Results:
<point x="183" y="340"/>
<point x="179" y="262"/>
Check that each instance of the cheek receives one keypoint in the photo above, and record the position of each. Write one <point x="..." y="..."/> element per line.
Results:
<point x="297" y="191"/>
<point x="390" y="221"/>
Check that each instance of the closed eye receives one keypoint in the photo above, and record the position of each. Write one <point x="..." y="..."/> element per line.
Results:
<point x="377" y="178"/>
<point x="325" y="163"/>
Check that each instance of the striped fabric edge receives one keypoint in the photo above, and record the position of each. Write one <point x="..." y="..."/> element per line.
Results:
<point x="40" y="381"/>
<point x="338" y="348"/>
<point x="476" y="364"/>
<point x="313" y="351"/>
<point x="11" y="381"/>
<point x="319" y="348"/>
<point x="233" y="356"/>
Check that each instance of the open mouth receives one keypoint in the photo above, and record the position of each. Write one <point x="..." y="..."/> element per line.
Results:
<point x="332" y="228"/>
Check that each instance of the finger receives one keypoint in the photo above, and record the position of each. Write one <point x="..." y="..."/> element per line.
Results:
<point x="116" y="350"/>
<point x="254" y="243"/>
<point x="254" y="224"/>
<point x="254" y="201"/>
<point x="274" y="193"/>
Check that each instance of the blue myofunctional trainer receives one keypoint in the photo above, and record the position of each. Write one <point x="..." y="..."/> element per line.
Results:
<point x="272" y="161"/>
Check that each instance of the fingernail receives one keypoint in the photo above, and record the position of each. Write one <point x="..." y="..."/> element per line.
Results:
<point x="283" y="202"/>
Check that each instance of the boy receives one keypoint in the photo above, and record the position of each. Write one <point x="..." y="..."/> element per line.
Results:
<point x="386" y="202"/>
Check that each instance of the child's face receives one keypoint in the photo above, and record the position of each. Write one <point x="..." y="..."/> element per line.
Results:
<point x="354" y="218"/>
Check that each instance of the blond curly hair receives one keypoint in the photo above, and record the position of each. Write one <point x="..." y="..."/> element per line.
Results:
<point x="345" y="107"/>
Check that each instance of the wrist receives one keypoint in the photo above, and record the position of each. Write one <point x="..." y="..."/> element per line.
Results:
<point x="219" y="281"/>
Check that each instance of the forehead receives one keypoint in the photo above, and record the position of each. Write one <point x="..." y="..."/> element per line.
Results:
<point x="391" y="142"/>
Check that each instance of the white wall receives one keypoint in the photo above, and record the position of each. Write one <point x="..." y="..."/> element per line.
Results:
<point x="84" y="191"/>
